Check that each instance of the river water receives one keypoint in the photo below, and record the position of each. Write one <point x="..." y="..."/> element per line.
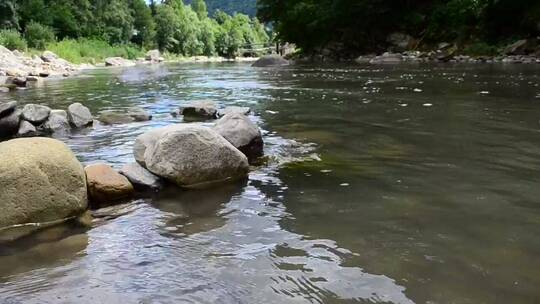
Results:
<point x="382" y="184"/>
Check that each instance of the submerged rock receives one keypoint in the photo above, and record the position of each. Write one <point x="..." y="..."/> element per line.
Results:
<point x="41" y="181"/>
<point x="139" y="114"/>
<point x="79" y="116"/>
<point x="113" y="118"/>
<point x="140" y="177"/>
<point x="105" y="185"/>
<point x="270" y="60"/>
<point x="204" y="109"/>
<point x="36" y="114"/>
<point x="242" y="133"/>
<point x="194" y="155"/>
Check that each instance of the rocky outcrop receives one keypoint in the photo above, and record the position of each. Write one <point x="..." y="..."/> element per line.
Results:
<point x="270" y="60"/>
<point x="79" y="116"/>
<point x="118" y="62"/>
<point x="520" y="47"/>
<point x="141" y="178"/>
<point x="401" y="41"/>
<point x="41" y="181"/>
<point x="204" y="109"/>
<point x="192" y="155"/>
<point x="36" y="114"/>
<point x="105" y="185"/>
<point x="242" y="133"/>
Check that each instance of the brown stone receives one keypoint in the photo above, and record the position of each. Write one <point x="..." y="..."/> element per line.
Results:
<point x="105" y="185"/>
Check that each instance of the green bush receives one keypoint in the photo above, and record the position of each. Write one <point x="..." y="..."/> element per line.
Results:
<point x="92" y="50"/>
<point x="38" y="35"/>
<point x="12" y="40"/>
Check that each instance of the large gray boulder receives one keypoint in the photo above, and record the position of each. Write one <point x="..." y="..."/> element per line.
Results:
<point x="153" y="55"/>
<point x="139" y="114"/>
<point x="234" y="109"/>
<point x="57" y="122"/>
<point x="36" y="114"/>
<point x="49" y="56"/>
<point x="9" y="125"/>
<point x="194" y="155"/>
<point x="79" y="116"/>
<point x="149" y="138"/>
<point x="41" y="181"/>
<point x="242" y="133"/>
<point x="270" y="60"/>
<point x="140" y="177"/>
<point x="113" y="118"/>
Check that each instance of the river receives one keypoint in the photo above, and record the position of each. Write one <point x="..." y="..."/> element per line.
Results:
<point x="382" y="184"/>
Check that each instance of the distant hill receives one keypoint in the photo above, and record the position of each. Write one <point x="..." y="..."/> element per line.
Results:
<point x="248" y="7"/>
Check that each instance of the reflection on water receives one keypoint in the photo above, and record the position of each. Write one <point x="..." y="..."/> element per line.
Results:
<point x="395" y="184"/>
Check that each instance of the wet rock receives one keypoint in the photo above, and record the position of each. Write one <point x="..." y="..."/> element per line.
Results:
<point x="18" y="81"/>
<point x="118" y="62"/>
<point x="36" y="114"/>
<point x="57" y="122"/>
<point x="9" y="124"/>
<point x="4" y="89"/>
<point x="105" y="185"/>
<point x="33" y="81"/>
<point x="364" y="59"/>
<point x="270" y="60"/>
<point x="140" y="177"/>
<point x="113" y="118"/>
<point x="7" y="107"/>
<point x="194" y="155"/>
<point x="242" y="133"/>
<point x="139" y="114"/>
<point x="79" y="116"/>
<point x="234" y="109"/>
<point x="41" y="181"/>
<point x="204" y="109"/>
<point x="27" y="129"/>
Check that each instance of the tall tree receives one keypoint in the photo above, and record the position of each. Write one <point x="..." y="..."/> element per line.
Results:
<point x="199" y="6"/>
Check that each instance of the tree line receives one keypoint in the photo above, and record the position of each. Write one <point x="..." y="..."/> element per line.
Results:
<point x="364" y="25"/>
<point x="170" y="25"/>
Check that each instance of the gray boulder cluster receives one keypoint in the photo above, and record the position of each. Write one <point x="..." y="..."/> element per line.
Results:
<point x="402" y="50"/>
<point x="152" y="56"/>
<point x="35" y="120"/>
<point x="18" y="70"/>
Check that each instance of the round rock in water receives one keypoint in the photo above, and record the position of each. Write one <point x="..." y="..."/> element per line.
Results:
<point x="234" y="109"/>
<point x="105" y="185"/>
<point x="57" y="122"/>
<point x="204" y="109"/>
<point x="139" y="114"/>
<point x="195" y="155"/>
<point x="36" y="114"/>
<point x="242" y="133"/>
<point x="140" y="177"/>
<point x="114" y="118"/>
<point x="270" y="60"/>
<point x="41" y="181"/>
<point x="79" y="116"/>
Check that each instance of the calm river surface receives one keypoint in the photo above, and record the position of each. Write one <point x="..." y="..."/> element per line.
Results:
<point x="384" y="184"/>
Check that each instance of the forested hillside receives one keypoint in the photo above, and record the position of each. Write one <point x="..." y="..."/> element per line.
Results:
<point x="86" y="26"/>
<point x="248" y="7"/>
<point x="364" y="25"/>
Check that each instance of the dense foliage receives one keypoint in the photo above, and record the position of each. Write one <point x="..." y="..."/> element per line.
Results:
<point x="171" y="25"/>
<point x="366" y="24"/>
<point x="248" y="7"/>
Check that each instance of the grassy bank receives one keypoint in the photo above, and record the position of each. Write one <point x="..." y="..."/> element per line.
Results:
<point x="92" y="51"/>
